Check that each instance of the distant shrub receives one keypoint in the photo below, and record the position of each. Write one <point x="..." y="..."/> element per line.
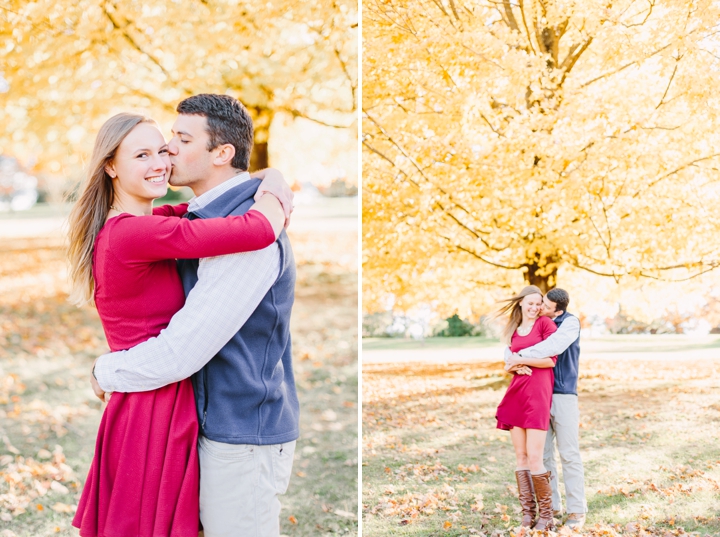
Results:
<point x="457" y="327"/>
<point x="378" y="324"/>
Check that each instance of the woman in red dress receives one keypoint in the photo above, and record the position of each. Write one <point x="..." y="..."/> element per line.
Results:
<point x="525" y="408"/>
<point x="144" y="478"/>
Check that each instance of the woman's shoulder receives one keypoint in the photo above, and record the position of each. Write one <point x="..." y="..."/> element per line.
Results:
<point x="545" y="324"/>
<point x="116" y="231"/>
<point x="545" y="321"/>
<point x="116" y="224"/>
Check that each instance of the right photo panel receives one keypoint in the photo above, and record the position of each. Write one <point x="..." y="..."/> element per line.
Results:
<point x="540" y="267"/>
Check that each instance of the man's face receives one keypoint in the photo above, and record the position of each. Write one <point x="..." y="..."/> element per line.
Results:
<point x="549" y="308"/>
<point x="190" y="158"/>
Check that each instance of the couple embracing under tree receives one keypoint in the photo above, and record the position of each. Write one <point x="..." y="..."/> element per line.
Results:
<point x="195" y="301"/>
<point x="540" y="407"/>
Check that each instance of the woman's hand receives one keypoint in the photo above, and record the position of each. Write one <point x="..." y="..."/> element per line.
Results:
<point x="515" y="359"/>
<point x="516" y="364"/>
<point x="274" y="183"/>
<point x="99" y="392"/>
<point x="519" y="369"/>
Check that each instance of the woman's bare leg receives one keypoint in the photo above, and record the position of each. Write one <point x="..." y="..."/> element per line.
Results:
<point x="535" y="447"/>
<point x="519" y="440"/>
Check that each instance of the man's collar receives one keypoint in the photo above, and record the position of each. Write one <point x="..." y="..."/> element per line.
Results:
<point x="203" y="200"/>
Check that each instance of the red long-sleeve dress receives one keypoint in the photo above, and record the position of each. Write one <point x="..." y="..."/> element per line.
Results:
<point x="144" y="477"/>
<point x="527" y="401"/>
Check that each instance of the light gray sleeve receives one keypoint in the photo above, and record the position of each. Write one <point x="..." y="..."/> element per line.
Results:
<point x="228" y="290"/>
<point x="557" y="343"/>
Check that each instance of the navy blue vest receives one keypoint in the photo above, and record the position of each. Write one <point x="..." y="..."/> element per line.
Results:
<point x="246" y="393"/>
<point x="568" y="364"/>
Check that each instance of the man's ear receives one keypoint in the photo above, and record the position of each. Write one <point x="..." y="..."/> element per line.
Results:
<point x="558" y="313"/>
<point x="224" y="154"/>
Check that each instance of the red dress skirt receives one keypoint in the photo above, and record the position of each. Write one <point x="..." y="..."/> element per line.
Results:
<point x="527" y="401"/>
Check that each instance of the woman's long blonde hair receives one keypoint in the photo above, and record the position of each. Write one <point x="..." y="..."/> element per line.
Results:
<point x="512" y="308"/>
<point x="91" y="209"/>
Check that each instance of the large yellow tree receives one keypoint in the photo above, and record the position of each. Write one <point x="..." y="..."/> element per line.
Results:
<point x="508" y="137"/>
<point x="68" y="65"/>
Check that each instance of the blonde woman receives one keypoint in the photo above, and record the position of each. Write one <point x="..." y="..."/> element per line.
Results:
<point x="144" y="479"/>
<point x="525" y="408"/>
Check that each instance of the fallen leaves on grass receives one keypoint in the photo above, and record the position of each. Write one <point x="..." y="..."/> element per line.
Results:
<point x="45" y="341"/>
<point x="24" y="480"/>
<point x="472" y="469"/>
<point x="63" y="508"/>
<point x="424" y="472"/>
<point x="678" y="474"/>
<point x="411" y="505"/>
<point x="478" y="504"/>
<point x="431" y="423"/>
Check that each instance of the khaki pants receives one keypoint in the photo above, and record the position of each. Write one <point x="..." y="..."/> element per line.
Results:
<point x="564" y="429"/>
<point x="240" y="485"/>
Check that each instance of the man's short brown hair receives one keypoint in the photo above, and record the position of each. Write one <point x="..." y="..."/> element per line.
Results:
<point x="560" y="297"/>
<point x="228" y="121"/>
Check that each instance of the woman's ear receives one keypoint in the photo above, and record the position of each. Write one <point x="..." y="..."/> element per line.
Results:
<point x="110" y="170"/>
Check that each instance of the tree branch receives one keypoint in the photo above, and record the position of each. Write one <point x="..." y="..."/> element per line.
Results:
<point x="353" y="84"/>
<point x="511" y="20"/>
<point x="527" y="31"/>
<point x="635" y="62"/>
<point x="134" y="44"/>
<point x="297" y="113"/>
<point x="383" y="156"/>
<point x="675" y="171"/>
<point x="571" y="59"/>
<point x="452" y="6"/>
<point x="672" y="76"/>
<point x="478" y="256"/>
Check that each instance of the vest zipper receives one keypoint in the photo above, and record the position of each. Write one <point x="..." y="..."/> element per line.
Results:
<point x="558" y="376"/>
<point x="207" y="397"/>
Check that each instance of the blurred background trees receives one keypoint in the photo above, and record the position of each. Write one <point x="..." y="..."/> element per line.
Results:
<point x="66" y="66"/>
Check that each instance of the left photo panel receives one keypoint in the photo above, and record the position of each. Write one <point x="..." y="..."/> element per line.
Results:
<point x="179" y="268"/>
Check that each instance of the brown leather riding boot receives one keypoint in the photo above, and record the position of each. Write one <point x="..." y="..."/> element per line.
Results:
<point x="543" y="493"/>
<point x="527" y="497"/>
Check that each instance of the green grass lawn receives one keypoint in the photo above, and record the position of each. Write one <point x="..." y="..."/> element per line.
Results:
<point x="434" y="464"/>
<point x="610" y="343"/>
<point x="377" y="344"/>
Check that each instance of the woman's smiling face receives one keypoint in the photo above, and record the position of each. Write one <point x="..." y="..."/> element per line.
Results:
<point x="141" y="166"/>
<point x="530" y="306"/>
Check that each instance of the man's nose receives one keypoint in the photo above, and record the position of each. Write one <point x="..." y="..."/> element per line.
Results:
<point x="172" y="147"/>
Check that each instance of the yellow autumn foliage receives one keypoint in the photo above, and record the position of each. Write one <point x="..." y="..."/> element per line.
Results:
<point x="67" y="65"/>
<point x="504" y="140"/>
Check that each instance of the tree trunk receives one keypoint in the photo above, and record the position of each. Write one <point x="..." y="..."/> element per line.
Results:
<point x="540" y="276"/>
<point x="262" y="118"/>
<point x="259" y="156"/>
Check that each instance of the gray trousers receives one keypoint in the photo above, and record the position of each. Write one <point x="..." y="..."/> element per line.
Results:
<point x="564" y="429"/>
<point x="240" y="485"/>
